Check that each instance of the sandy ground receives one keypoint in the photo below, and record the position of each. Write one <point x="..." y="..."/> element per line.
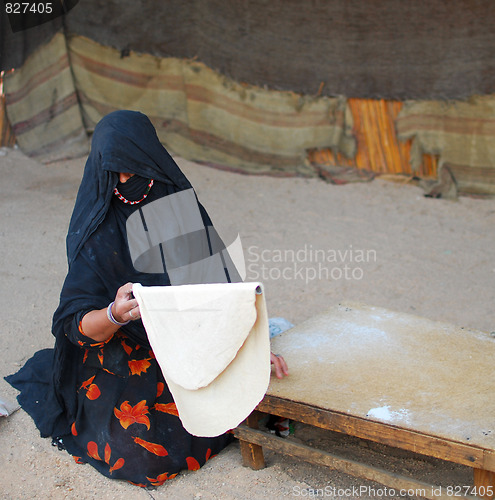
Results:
<point x="434" y="258"/>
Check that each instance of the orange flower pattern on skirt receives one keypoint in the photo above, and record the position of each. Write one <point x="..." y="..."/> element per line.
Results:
<point x="138" y="366"/>
<point x="160" y="479"/>
<point x="93" y="453"/>
<point x="129" y="415"/>
<point x="167" y="408"/>
<point x="192" y="463"/>
<point x="127" y="426"/>
<point x="127" y="349"/>
<point x="92" y="390"/>
<point x="159" y="389"/>
<point x="155" y="448"/>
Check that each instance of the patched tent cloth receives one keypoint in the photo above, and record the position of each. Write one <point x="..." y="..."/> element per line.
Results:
<point x="461" y="133"/>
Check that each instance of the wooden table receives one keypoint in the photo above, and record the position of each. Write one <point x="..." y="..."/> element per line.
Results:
<point x="388" y="377"/>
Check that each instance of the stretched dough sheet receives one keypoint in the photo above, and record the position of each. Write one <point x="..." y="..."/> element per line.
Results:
<point x="212" y="344"/>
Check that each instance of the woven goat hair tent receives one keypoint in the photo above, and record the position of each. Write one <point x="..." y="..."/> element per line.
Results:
<point x="198" y="113"/>
<point x="253" y="86"/>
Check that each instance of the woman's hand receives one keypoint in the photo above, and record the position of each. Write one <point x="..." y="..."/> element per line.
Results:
<point x="279" y="364"/>
<point x="125" y="307"/>
<point x="96" y="324"/>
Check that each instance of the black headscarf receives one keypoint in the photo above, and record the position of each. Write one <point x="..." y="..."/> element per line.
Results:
<point x="123" y="141"/>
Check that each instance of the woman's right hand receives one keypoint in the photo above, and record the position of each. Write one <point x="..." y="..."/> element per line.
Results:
<point x="125" y="307"/>
<point x="97" y="325"/>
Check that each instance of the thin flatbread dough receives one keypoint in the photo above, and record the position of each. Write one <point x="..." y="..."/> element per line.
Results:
<point x="212" y="344"/>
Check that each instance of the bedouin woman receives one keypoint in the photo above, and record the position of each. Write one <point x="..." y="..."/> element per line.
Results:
<point x="100" y="392"/>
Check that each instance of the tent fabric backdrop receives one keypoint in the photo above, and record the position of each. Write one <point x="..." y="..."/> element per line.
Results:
<point x="42" y="105"/>
<point x="198" y="113"/>
<point x="461" y="133"/>
<point x="54" y="100"/>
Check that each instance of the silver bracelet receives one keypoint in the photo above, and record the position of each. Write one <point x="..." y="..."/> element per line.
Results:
<point x="112" y="319"/>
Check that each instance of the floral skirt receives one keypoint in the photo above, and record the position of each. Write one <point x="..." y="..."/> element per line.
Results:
<point x="127" y="425"/>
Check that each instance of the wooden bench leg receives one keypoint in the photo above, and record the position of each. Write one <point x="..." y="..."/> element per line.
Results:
<point x="484" y="481"/>
<point x="252" y="454"/>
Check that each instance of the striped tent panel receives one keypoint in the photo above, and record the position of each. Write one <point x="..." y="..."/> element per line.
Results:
<point x="42" y="105"/>
<point x="202" y="115"/>
<point x="461" y="133"/>
<point x="271" y="128"/>
<point x="7" y="137"/>
<point x="105" y="81"/>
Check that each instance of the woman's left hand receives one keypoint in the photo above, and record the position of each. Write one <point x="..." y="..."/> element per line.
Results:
<point x="280" y="365"/>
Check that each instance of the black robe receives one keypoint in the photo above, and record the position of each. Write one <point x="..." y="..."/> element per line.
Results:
<point x="108" y="401"/>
